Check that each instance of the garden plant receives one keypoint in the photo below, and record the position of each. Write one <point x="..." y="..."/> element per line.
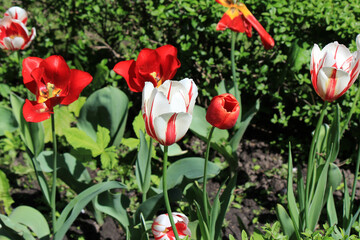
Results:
<point x="135" y="117"/>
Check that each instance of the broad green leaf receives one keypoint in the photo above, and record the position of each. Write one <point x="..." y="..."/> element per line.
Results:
<point x="138" y="124"/>
<point x="76" y="106"/>
<point x="107" y="107"/>
<point x="5" y="198"/>
<point x="285" y="221"/>
<point x="293" y="210"/>
<point x="331" y="210"/>
<point x="33" y="219"/>
<point x="109" y="158"/>
<point x="174" y="150"/>
<point x="114" y="205"/>
<point x="31" y="133"/>
<point x="245" y="121"/>
<point x="79" y="139"/>
<point x="63" y="120"/>
<point x="190" y="168"/>
<point x="70" y="170"/>
<point x="102" y="137"/>
<point x="299" y="55"/>
<point x="321" y="143"/>
<point x="143" y="164"/>
<point x="14" y="230"/>
<point x="8" y="121"/>
<point x="73" y="209"/>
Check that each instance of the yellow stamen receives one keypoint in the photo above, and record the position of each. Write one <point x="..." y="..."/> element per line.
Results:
<point x="245" y="11"/>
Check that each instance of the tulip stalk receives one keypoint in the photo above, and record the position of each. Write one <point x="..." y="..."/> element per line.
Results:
<point x="166" y="196"/>
<point x="205" y="197"/>
<point x="53" y="190"/>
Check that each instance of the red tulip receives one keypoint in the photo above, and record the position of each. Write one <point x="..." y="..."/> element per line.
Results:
<point x="13" y="32"/>
<point x="238" y="18"/>
<point x="53" y="82"/>
<point x="162" y="229"/>
<point x="223" y="111"/>
<point x="154" y="66"/>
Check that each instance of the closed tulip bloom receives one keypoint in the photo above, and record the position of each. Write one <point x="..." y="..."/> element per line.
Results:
<point x="13" y="32"/>
<point x="53" y="83"/>
<point x="167" y="110"/>
<point x="333" y="70"/>
<point x="152" y="65"/>
<point x="17" y="13"/>
<point x="161" y="227"/>
<point x="223" y="111"/>
<point x="238" y="18"/>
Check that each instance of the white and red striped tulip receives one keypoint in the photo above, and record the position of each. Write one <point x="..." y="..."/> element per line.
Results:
<point x="161" y="227"/>
<point x="17" y="13"/>
<point x="13" y="32"/>
<point x="167" y="110"/>
<point x="333" y="69"/>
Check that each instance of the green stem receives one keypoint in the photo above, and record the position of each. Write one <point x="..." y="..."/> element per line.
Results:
<point x="205" y="197"/>
<point x="311" y="158"/>
<point x="53" y="190"/>
<point x="166" y="197"/>
<point x="351" y="112"/>
<point x="147" y="166"/>
<point x="233" y="70"/>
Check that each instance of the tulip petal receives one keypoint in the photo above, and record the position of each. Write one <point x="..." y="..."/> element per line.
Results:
<point x="225" y="3"/>
<point x="171" y="127"/>
<point x="36" y="112"/>
<point x="77" y="82"/>
<point x="31" y="38"/>
<point x="358" y="42"/>
<point x="57" y="71"/>
<point x="191" y="92"/>
<point x="127" y="70"/>
<point x="148" y="66"/>
<point x="17" y="13"/>
<point x="332" y="83"/>
<point x="168" y="61"/>
<point x="29" y="64"/>
<point x="234" y="21"/>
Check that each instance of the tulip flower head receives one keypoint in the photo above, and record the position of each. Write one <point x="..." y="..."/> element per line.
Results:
<point x="223" y="111"/>
<point x="167" y="110"/>
<point x="155" y="66"/>
<point x="53" y="83"/>
<point x="333" y="69"/>
<point x="161" y="227"/>
<point x="13" y="32"/>
<point x="238" y="18"/>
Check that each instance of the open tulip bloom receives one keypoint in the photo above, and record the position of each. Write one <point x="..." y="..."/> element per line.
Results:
<point x="155" y="66"/>
<point x="13" y="32"/>
<point x="53" y="82"/>
<point x="333" y="70"/>
<point x="238" y="18"/>
<point x="167" y="110"/>
<point x="161" y="227"/>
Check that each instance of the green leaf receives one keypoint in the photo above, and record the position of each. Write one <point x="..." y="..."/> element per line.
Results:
<point x="225" y="201"/>
<point x="109" y="158"/>
<point x="346" y="204"/>
<point x="107" y="107"/>
<point x="138" y="124"/>
<point x="190" y="168"/>
<point x="63" y="120"/>
<point x="285" y="221"/>
<point x="8" y="121"/>
<point x="102" y="137"/>
<point x="331" y="210"/>
<point x="245" y="121"/>
<point x="76" y="106"/>
<point x="143" y="164"/>
<point x="70" y="170"/>
<point x="114" y="205"/>
<point x="174" y="150"/>
<point x="33" y="219"/>
<point x="31" y="133"/>
<point x="214" y="213"/>
<point x="333" y="142"/>
<point x="14" y="230"/>
<point x="79" y="139"/>
<point x="5" y="198"/>
<point x="73" y="209"/>
<point x="202" y="223"/>
<point x="293" y="210"/>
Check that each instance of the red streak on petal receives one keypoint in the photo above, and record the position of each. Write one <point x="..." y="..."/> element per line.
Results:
<point x="337" y="48"/>
<point x="170" y="137"/>
<point x="190" y="96"/>
<point x="168" y="95"/>
<point x="331" y="86"/>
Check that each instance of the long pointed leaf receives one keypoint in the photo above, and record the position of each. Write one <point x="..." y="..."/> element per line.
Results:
<point x="331" y="210"/>
<point x="285" y="221"/>
<point x="203" y="228"/>
<point x="293" y="210"/>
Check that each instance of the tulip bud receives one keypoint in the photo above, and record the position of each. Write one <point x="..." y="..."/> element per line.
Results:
<point x="223" y="111"/>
